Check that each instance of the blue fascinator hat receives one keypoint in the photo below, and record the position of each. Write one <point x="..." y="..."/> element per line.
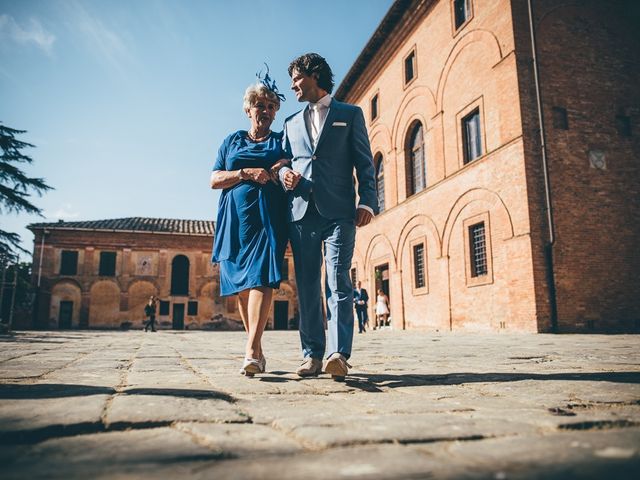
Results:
<point x="269" y="83"/>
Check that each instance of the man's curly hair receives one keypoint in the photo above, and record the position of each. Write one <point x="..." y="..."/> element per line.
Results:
<point x="311" y="63"/>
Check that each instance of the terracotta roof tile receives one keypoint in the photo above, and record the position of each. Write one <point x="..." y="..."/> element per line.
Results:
<point x="135" y="224"/>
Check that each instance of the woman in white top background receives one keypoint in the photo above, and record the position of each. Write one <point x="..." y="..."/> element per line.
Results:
<point x="382" y="309"/>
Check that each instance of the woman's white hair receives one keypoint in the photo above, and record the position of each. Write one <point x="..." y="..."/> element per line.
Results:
<point x="256" y="91"/>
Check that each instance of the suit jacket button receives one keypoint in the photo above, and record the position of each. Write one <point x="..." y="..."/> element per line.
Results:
<point x="313" y="158"/>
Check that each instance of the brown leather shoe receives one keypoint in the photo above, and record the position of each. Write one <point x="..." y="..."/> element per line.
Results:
<point x="311" y="367"/>
<point x="337" y="366"/>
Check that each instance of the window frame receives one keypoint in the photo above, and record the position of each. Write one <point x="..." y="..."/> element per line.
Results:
<point x="374" y="100"/>
<point x="378" y="162"/>
<point x="467" y="143"/>
<point x="477" y="104"/>
<point x="457" y="29"/>
<point x="410" y="159"/>
<point x="180" y="286"/>
<point x="486" y="279"/>
<point x="624" y="126"/>
<point x="164" y="307"/>
<point x="413" y="52"/>
<point x="62" y="270"/>
<point x="559" y="118"/>
<point x="102" y="255"/>
<point x="415" y="289"/>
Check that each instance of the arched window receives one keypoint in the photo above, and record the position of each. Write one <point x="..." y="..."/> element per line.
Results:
<point x="379" y="164"/>
<point x="180" y="275"/>
<point x="416" y="170"/>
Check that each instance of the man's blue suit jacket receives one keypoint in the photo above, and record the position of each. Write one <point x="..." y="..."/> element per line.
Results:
<point x="327" y="170"/>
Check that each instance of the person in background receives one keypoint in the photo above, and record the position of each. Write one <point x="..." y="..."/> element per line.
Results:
<point x="360" y="300"/>
<point x="382" y="308"/>
<point x="150" y="312"/>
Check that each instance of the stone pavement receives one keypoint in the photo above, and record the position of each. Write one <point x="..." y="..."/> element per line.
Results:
<point x="80" y="404"/>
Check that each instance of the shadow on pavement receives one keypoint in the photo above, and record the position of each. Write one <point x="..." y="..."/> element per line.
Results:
<point x="376" y="382"/>
<point x="44" y="337"/>
<point x="41" y="391"/>
<point x="415" y="380"/>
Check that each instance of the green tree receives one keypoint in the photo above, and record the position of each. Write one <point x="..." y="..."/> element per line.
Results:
<point x="16" y="188"/>
<point x="17" y="306"/>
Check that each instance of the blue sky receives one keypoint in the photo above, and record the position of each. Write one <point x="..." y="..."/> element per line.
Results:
<point x="127" y="101"/>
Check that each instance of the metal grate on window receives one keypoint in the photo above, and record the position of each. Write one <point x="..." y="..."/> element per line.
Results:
<point x="418" y="265"/>
<point x="354" y="277"/>
<point x="478" y="249"/>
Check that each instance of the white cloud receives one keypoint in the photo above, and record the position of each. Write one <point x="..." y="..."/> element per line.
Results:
<point x="31" y="33"/>
<point x="107" y="45"/>
<point x="65" y="212"/>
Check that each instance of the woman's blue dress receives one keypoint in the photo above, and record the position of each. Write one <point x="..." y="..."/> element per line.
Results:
<point x="251" y="230"/>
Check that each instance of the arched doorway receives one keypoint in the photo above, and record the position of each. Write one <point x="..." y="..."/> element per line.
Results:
<point x="180" y="275"/>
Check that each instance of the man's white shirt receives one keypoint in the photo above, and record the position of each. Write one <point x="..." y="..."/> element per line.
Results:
<point x="314" y="117"/>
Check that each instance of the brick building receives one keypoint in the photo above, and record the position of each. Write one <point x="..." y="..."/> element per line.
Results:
<point x="485" y="226"/>
<point x="100" y="274"/>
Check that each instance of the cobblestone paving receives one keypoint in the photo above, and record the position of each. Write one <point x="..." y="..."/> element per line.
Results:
<point x="416" y="405"/>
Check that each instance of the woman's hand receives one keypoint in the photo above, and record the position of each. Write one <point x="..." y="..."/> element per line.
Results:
<point x="258" y="175"/>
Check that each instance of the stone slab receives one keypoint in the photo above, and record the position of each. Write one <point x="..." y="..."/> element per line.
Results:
<point x="170" y="406"/>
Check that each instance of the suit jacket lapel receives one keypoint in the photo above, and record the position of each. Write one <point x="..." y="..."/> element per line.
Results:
<point x="301" y="127"/>
<point x="326" y="127"/>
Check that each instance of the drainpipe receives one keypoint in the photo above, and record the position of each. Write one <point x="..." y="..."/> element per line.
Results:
<point x="44" y="233"/>
<point x="38" y="299"/>
<point x="548" y="248"/>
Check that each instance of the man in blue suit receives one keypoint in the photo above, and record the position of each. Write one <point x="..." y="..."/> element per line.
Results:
<point x="326" y="140"/>
<point x="360" y="301"/>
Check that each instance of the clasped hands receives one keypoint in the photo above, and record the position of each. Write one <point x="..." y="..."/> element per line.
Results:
<point x="261" y="175"/>
<point x="290" y="179"/>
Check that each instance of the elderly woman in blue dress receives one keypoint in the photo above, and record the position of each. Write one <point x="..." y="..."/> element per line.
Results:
<point x="250" y="238"/>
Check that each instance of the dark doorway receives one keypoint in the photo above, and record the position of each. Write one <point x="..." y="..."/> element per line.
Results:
<point x="178" y="316"/>
<point x="66" y="315"/>
<point x="382" y="279"/>
<point x="180" y="275"/>
<point x="280" y="315"/>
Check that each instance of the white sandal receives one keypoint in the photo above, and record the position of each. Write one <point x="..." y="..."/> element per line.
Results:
<point x="251" y="366"/>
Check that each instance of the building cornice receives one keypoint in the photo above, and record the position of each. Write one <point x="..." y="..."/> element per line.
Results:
<point x="400" y="21"/>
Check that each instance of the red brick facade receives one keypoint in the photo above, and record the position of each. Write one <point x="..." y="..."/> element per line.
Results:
<point x="145" y="265"/>
<point x="588" y="57"/>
